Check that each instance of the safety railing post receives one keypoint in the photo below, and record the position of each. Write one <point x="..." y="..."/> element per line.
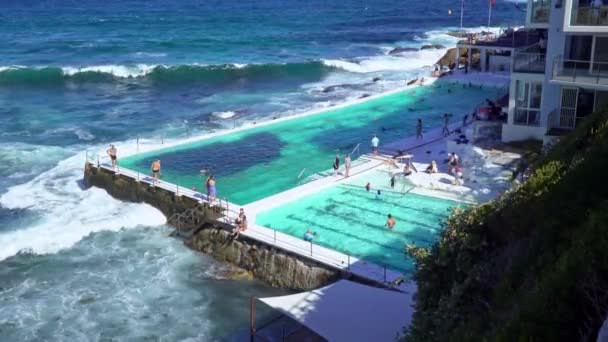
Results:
<point x="348" y="262"/>
<point x="310" y="248"/>
<point x="275" y="236"/>
<point x="98" y="165"/>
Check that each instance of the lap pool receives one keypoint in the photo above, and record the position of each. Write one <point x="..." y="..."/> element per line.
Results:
<point x="351" y="220"/>
<point x="255" y="163"/>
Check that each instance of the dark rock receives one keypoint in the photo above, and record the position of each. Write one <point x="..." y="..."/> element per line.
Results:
<point x="432" y="47"/>
<point x="376" y="79"/>
<point x="399" y="50"/>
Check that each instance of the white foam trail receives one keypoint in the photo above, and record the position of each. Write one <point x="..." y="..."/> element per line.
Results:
<point x="223" y="115"/>
<point x="67" y="213"/>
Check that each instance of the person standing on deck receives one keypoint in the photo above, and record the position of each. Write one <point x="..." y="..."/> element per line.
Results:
<point x="336" y="164"/>
<point x="419" y="129"/>
<point x="347" y="165"/>
<point x="155" y="171"/>
<point x="375" y="143"/>
<point x="211" y="189"/>
<point x="112" y="153"/>
<point x="446" y="124"/>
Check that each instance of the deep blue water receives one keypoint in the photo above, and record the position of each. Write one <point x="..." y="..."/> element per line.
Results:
<point x="77" y="75"/>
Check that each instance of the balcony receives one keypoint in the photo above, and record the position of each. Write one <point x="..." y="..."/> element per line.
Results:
<point x="529" y="62"/>
<point x="540" y="10"/>
<point x="580" y="72"/>
<point x="589" y="13"/>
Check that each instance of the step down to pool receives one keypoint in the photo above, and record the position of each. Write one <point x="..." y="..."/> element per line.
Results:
<point x="187" y="223"/>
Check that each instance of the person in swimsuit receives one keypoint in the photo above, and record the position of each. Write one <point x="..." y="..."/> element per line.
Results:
<point x="347" y="165"/>
<point x="379" y="195"/>
<point x="155" y="171"/>
<point x="406" y="170"/>
<point x="446" y="124"/>
<point x="453" y="163"/>
<point x="336" y="164"/>
<point x="419" y="129"/>
<point x="112" y="153"/>
<point x="432" y="168"/>
<point x="241" y="224"/>
<point x="375" y="143"/>
<point x="309" y="235"/>
<point x="390" y="222"/>
<point x="211" y="190"/>
<point x="368" y="186"/>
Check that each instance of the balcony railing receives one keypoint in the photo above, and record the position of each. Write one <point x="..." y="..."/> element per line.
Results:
<point x="585" y="13"/>
<point x="540" y="11"/>
<point x="530" y="62"/>
<point x="562" y="118"/>
<point x="579" y="71"/>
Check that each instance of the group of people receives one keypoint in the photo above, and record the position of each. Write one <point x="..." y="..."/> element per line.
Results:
<point x="445" y="130"/>
<point x="240" y="224"/>
<point x="347" y="165"/>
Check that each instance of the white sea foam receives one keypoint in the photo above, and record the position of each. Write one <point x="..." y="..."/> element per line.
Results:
<point x="223" y="115"/>
<point x="116" y="70"/>
<point x="67" y="213"/>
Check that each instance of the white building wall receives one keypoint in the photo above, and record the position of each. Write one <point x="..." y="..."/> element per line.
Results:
<point x="513" y="132"/>
<point x="555" y="48"/>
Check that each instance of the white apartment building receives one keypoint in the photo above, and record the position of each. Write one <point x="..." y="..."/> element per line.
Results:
<point x="565" y="78"/>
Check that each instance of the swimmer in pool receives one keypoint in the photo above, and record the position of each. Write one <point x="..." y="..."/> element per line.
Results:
<point x="390" y="222"/>
<point x="310" y="235"/>
<point x="379" y="195"/>
<point x="368" y="186"/>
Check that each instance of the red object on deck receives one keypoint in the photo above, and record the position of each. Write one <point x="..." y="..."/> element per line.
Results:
<point x="483" y="113"/>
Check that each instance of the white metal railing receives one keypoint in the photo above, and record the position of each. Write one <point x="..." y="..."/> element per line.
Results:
<point x="529" y="62"/>
<point x="340" y="260"/>
<point x="580" y="71"/>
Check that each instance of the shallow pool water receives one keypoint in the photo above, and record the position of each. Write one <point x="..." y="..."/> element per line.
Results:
<point x="352" y="220"/>
<point x="255" y="163"/>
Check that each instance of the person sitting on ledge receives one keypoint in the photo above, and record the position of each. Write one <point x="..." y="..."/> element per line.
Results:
<point x="407" y="170"/>
<point x="241" y="224"/>
<point x="432" y="168"/>
<point x="310" y="235"/>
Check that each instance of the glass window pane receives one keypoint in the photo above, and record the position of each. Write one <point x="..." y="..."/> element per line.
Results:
<point x="536" y="95"/>
<point x="534" y="117"/>
<point x="521" y="117"/>
<point x="521" y="96"/>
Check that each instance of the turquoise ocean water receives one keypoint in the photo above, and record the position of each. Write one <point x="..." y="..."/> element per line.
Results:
<point x="78" y="75"/>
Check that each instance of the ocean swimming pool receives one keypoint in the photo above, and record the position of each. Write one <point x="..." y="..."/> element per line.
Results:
<point x="351" y="220"/>
<point x="255" y="163"/>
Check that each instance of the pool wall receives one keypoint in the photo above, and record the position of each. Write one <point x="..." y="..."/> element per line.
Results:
<point x="276" y="266"/>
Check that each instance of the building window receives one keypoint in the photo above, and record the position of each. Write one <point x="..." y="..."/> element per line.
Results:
<point x="540" y="11"/>
<point x="527" y="103"/>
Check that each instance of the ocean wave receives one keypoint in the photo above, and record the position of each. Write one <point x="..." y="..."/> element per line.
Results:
<point x="66" y="212"/>
<point x="160" y="73"/>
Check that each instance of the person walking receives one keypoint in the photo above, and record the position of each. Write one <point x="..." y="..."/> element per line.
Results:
<point x="112" y="153"/>
<point x="155" y="171"/>
<point x="336" y="164"/>
<point x="446" y="124"/>
<point x="347" y="165"/>
<point x="419" y="129"/>
<point x="375" y="144"/>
